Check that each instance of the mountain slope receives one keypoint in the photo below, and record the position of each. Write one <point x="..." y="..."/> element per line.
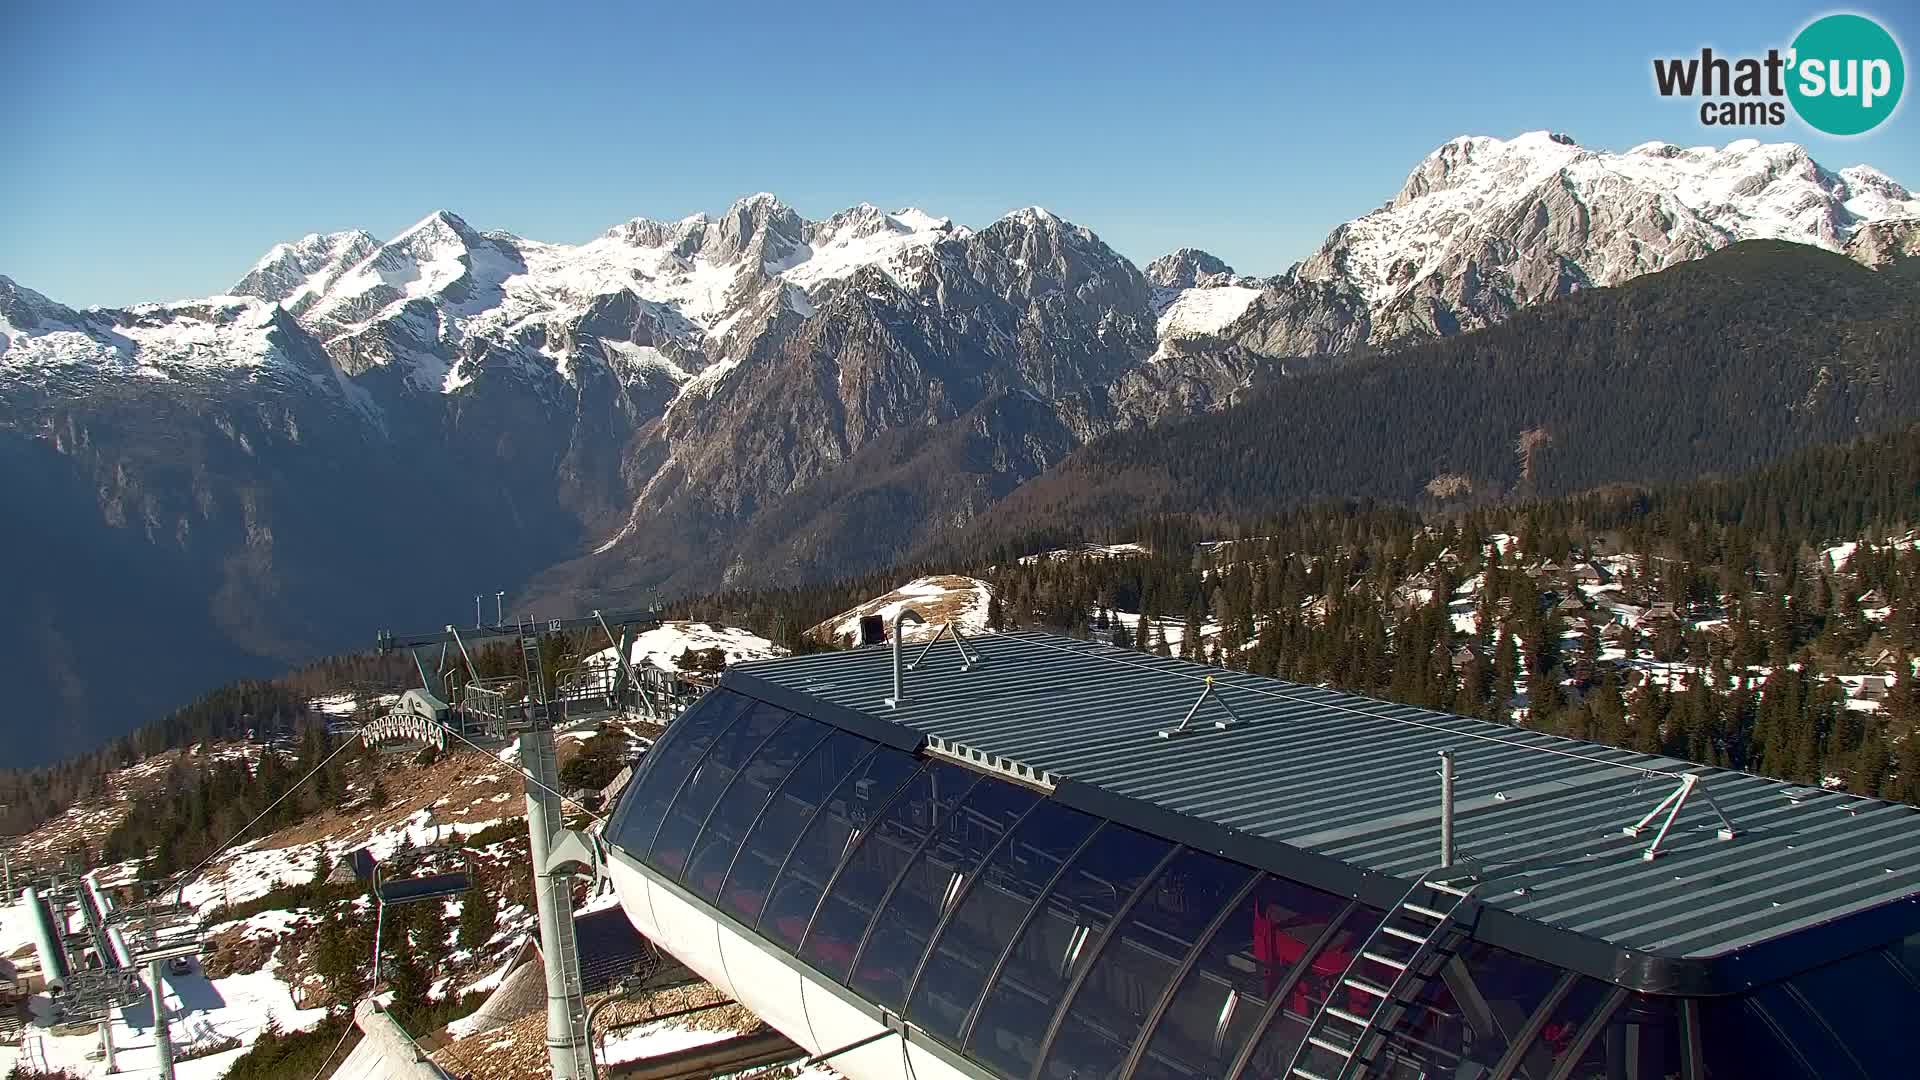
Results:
<point x="1717" y="365"/>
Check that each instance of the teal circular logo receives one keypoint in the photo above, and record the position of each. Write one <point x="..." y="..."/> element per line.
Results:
<point x="1847" y="74"/>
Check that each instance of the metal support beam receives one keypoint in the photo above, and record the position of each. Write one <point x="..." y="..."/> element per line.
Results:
<point x="1205" y="692"/>
<point x="968" y="658"/>
<point x="567" y="1038"/>
<point x="1672" y="805"/>
<point x="1446" y="808"/>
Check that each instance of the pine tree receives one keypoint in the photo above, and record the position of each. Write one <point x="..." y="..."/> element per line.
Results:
<point x="479" y="914"/>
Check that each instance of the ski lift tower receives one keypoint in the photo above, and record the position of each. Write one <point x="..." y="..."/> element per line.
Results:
<point x="524" y="708"/>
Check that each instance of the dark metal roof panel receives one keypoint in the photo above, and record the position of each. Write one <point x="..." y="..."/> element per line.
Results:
<point x="1354" y="779"/>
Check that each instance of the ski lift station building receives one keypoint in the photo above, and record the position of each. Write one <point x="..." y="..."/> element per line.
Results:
<point x="1056" y="859"/>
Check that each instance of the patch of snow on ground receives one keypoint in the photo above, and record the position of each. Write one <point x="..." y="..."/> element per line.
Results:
<point x="1092" y="551"/>
<point x="1202" y="312"/>
<point x="939" y="599"/>
<point x="201" y="1011"/>
<point x="662" y="646"/>
<point x="652" y="1040"/>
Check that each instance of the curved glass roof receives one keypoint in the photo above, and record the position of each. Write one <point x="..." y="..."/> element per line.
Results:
<point x="1037" y="940"/>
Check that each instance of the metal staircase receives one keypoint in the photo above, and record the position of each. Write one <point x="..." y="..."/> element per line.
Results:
<point x="1387" y="973"/>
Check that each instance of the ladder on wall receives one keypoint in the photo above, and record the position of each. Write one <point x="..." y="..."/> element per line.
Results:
<point x="536" y="691"/>
<point x="569" y="949"/>
<point x="1404" y="948"/>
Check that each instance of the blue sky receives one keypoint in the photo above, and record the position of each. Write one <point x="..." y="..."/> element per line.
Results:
<point x="156" y="152"/>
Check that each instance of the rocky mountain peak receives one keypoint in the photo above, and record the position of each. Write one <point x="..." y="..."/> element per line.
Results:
<point x="759" y="228"/>
<point x="1880" y="244"/>
<point x="22" y="308"/>
<point x="301" y="271"/>
<point x="1185" y="268"/>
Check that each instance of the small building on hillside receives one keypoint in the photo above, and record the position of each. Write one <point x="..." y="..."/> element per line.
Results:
<point x="1873" y="688"/>
<point x="1593" y="574"/>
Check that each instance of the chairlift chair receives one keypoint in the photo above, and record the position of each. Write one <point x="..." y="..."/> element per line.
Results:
<point x="392" y="884"/>
<point x="389" y="890"/>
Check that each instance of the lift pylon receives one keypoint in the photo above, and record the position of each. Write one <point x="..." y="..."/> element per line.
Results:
<point x="524" y="708"/>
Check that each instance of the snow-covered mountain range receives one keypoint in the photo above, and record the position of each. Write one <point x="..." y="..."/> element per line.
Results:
<point x="749" y="395"/>
<point x="1483" y="227"/>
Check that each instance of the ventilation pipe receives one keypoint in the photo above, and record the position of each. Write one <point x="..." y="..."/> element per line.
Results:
<point x="46" y="940"/>
<point x="904" y="615"/>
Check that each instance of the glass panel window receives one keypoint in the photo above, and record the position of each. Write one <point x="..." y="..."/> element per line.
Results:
<point x="990" y="914"/>
<point x="860" y="796"/>
<point x="1065" y="931"/>
<point x="1871" y="1006"/>
<point x="879" y="857"/>
<point x="931" y="887"/>
<point x="709" y="780"/>
<point x="679" y="750"/>
<point x="1804" y="1031"/>
<point x="1221" y="1001"/>
<point x="1138" y="962"/>
<point x="1906" y="952"/>
<point x="1468" y="1012"/>
<point x="720" y="838"/>
<point x="792" y="807"/>
<point x="1557" y="1036"/>
<point x="1738" y="1043"/>
<point x="1273" y="1055"/>
<point x="1509" y="987"/>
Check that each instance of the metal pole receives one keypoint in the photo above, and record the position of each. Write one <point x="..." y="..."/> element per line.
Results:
<point x="499" y="608"/>
<point x="478" y="622"/>
<point x="567" y="1036"/>
<point x="1446" y="808"/>
<point x="106" y="1041"/>
<point x="162" y="1042"/>
<point x="379" y="924"/>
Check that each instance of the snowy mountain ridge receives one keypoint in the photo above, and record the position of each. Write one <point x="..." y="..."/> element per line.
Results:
<point x="1483" y="227"/>
<point x="728" y="396"/>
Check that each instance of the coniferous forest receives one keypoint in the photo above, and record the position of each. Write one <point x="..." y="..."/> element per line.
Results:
<point x="1737" y="658"/>
<point x="1704" y="619"/>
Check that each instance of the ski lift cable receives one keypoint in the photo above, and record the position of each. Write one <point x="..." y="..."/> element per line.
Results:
<point x="345" y="1030"/>
<point x="187" y="878"/>
<point x="521" y="769"/>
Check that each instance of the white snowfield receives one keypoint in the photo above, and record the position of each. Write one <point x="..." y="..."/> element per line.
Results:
<point x="662" y="646"/>
<point x="1199" y="312"/>
<point x="939" y="599"/>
